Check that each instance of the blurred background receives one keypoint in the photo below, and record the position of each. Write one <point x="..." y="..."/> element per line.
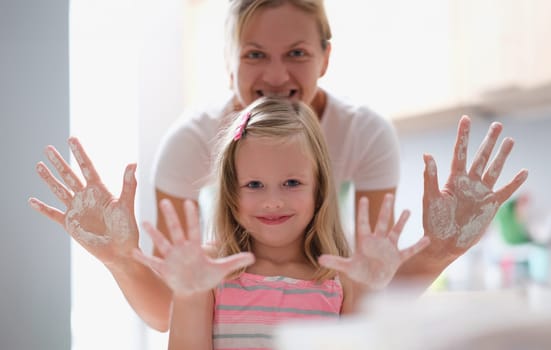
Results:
<point x="117" y="73"/>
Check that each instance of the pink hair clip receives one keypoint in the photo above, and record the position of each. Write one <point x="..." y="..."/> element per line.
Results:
<point x="241" y="128"/>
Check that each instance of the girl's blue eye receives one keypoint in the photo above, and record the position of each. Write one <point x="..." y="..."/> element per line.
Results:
<point x="292" y="183"/>
<point x="255" y="184"/>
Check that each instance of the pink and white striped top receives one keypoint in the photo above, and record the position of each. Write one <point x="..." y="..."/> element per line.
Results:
<point x="248" y="308"/>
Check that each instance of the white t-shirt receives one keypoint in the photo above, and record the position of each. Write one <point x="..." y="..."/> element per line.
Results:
<point x="362" y="145"/>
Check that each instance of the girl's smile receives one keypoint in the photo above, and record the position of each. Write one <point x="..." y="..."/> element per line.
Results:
<point x="273" y="220"/>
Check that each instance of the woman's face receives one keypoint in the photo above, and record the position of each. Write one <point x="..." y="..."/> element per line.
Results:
<point x="280" y="55"/>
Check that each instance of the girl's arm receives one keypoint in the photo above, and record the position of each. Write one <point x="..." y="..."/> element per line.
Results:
<point x="191" y="322"/>
<point x="191" y="273"/>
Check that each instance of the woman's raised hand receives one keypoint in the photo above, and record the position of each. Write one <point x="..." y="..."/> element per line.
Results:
<point x="102" y="224"/>
<point x="456" y="217"/>
<point x="184" y="265"/>
<point x="376" y="257"/>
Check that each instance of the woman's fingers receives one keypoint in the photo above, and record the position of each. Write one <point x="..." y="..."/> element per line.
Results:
<point x="494" y="170"/>
<point x="128" y="192"/>
<point x="507" y="191"/>
<point x="48" y="211"/>
<point x="63" y="169"/>
<point x="57" y="188"/>
<point x="459" y="161"/>
<point x="88" y="171"/>
<point x="485" y="151"/>
<point x="431" y="189"/>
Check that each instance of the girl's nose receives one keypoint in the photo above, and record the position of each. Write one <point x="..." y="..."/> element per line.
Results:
<point x="273" y="201"/>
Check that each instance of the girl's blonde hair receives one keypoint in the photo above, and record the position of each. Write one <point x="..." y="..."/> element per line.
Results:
<point x="280" y="120"/>
<point x="241" y="11"/>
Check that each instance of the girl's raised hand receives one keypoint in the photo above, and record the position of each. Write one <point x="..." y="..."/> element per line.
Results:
<point x="99" y="222"/>
<point x="456" y="217"/>
<point x="184" y="265"/>
<point x="376" y="257"/>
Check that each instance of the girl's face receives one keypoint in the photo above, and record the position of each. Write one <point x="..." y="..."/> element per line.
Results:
<point x="280" y="54"/>
<point x="276" y="191"/>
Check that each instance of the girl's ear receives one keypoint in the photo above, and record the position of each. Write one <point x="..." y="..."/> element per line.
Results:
<point x="326" y="54"/>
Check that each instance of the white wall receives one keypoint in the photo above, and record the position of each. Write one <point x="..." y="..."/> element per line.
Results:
<point x="34" y="111"/>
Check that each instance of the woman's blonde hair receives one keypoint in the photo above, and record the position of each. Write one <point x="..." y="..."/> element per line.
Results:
<point x="241" y="11"/>
<point x="280" y="120"/>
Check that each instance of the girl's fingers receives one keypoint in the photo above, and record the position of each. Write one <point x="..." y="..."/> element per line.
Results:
<point x="153" y="262"/>
<point x="172" y="221"/>
<point x="334" y="262"/>
<point x="459" y="161"/>
<point x="362" y="222"/>
<point x="494" y="170"/>
<point x="57" y="188"/>
<point x="485" y="151"/>
<point x="50" y="212"/>
<point x="192" y="220"/>
<point x="159" y="240"/>
<point x="414" y="249"/>
<point x="63" y="169"/>
<point x="396" y="231"/>
<point x="88" y="171"/>
<point x="235" y="262"/>
<point x="381" y="228"/>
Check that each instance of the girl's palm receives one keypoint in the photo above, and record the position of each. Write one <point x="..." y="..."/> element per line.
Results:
<point x="377" y="257"/>
<point x="184" y="265"/>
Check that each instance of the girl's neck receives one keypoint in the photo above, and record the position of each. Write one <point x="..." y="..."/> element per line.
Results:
<point x="296" y="269"/>
<point x="286" y="261"/>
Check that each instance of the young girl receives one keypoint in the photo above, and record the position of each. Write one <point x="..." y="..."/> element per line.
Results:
<point x="279" y="250"/>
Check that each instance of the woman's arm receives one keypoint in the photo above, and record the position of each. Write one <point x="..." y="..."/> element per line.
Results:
<point x="106" y="227"/>
<point x="456" y="216"/>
